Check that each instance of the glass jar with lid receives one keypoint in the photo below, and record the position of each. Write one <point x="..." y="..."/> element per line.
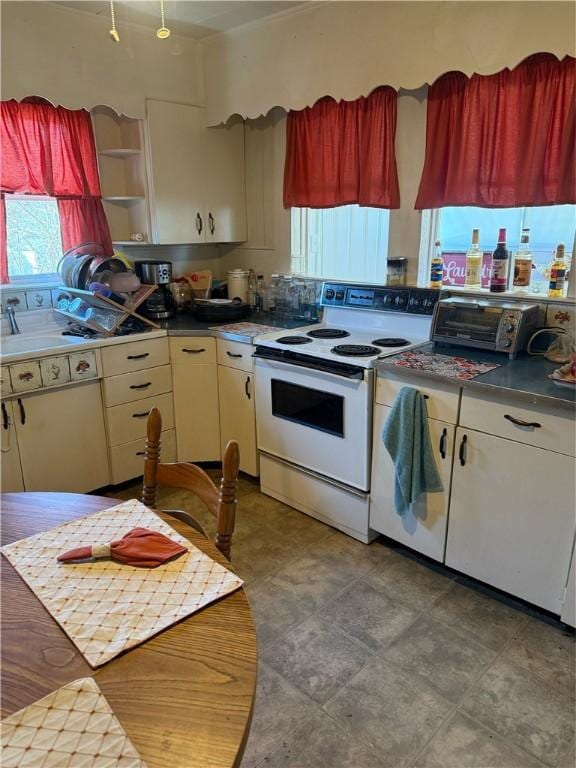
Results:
<point x="397" y="269"/>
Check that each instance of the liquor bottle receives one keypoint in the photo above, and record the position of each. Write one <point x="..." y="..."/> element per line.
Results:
<point x="500" y="264"/>
<point x="437" y="267"/>
<point x="557" y="274"/>
<point x="474" y="258"/>
<point x="523" y="263"/>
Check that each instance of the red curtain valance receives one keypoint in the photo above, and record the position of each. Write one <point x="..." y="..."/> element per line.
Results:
<point x="339" y="153"/>
<point x="502" y="140"/>
<point x="50" y="151"/>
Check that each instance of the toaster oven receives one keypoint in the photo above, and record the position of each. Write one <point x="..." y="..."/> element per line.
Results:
<point x="499" y="326"/>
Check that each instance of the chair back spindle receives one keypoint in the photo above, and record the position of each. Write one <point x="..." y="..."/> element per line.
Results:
<point x="220" y="501"/>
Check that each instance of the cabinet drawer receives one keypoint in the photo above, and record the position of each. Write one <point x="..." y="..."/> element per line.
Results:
<point x="235" y="354"/>
<point x="137" y="386"/>
<point x="190" y="350"/>
<point x="441" y="400"/>
<point x="134" y="356"/>
<point x="127" y="460"/>
<point x="555" y="432"/>
<point x="127" y="422"/>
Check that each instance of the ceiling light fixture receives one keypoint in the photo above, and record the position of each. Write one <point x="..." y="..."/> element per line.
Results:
<point x="113" y="32"/>
<point x="162" y="32"/>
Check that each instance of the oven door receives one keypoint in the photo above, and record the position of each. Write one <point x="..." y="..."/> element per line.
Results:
<point x="316" y="420"/>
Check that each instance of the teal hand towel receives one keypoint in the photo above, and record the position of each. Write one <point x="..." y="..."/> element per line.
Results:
<point x="407" y="440"/>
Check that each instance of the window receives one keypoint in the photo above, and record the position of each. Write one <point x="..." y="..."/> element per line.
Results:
<point x="33" y="239"/>
<point x="549" y="225"/>
<point x="345" y="243"/>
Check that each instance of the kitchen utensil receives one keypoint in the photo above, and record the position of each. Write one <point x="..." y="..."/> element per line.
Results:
<point x="220" y="310"/>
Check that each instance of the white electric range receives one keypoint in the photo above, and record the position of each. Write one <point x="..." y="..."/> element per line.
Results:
<point x="314" y="395"/>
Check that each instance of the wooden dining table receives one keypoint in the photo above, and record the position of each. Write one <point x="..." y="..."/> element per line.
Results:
<point x="185" y="697"/>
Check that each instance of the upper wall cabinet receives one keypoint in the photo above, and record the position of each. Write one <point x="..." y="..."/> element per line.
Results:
<point x="196" y="176"/>
<point x="122" y="165"/>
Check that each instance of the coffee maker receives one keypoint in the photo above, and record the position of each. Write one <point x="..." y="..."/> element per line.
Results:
<point x="160" y="304"/>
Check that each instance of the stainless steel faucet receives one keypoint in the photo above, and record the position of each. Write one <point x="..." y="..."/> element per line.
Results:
<point x="11" y="312"/>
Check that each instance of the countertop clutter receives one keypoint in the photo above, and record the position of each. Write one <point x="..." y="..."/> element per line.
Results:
<point x="526" y="378"/>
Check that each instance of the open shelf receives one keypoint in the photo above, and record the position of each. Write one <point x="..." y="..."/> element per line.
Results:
<point x="123" y="198"/>
<point x="121" y="153"/>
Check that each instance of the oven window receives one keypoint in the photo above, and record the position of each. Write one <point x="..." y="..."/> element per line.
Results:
<point x="309" y="407"/>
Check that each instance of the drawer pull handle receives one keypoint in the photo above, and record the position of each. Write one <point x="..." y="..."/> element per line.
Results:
<point x="22" y="412"/>
<point x="232" y="354"/>
<point x="140" y="453"/>
<point x="463" y="454"/>
<point x="521" y="423"/>
<point x="141" y="386"/>
<point x="443" y="440"/>
<point x="247" y="387"/>
<point x="140" y="415"/>
<point x="193" y="351"/>
<point x="426" y="397"/>
<point x="5" y="422"/>
<point x="138" y="357"/>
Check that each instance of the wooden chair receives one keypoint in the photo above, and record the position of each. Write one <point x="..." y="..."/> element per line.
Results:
<point x="221" y="502"/>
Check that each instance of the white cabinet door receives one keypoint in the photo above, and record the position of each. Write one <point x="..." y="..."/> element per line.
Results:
<point x="11" y="470"/>
<point x="62" y="441"/>
<point x="237" y="415"/>
<point x="568" y="614"/>
<point x="196" y="411"/>
<point x="512" y="516"/>
<point x="176" y="171"/>
<point x="224" y="183"/>
<point x="423" y="528"/>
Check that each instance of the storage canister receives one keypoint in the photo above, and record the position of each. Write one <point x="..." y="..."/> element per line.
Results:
<point x="238" y="284"/>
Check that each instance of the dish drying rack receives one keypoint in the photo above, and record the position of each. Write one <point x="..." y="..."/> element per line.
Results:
<point x="103" y="315"/>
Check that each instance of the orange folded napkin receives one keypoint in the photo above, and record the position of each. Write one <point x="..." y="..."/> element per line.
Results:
<point x="139" y="547"/>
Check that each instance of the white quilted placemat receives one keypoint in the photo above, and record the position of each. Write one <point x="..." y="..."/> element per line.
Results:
<point x="105" y="607"/>
<point x="72" y="727"/>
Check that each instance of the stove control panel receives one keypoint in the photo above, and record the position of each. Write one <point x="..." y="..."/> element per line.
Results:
<point x="419" y="301"/>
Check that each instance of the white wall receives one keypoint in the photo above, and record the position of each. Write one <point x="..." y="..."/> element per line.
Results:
<point x="68" y="57"/>
<point x="345" y="49"/>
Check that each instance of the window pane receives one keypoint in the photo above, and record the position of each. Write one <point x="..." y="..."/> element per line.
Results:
<point x="549" y="225"/>
<point x="345" y="243"/>
<point x="33" y="237"/>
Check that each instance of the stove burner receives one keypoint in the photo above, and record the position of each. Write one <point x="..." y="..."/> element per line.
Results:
<point x="355" y="350"/>
<point x="293" y="340"/>
<point x="391" y="342"/>
<point x="328" y="333"/>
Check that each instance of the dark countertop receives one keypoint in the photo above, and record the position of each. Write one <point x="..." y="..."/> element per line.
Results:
<point x="185" y="324"/>
<point x="524" y="379"/>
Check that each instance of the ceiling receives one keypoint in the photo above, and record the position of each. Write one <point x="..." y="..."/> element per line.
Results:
<point x="184" y="17"/>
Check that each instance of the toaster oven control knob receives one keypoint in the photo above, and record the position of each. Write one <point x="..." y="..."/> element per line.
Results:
<point x="389" y="299"/>
<point x="506" y="343"/>
<point x="510" y="327"/>
<point x="400" y="300"/>
<point x="339" y="295"/>
<point x="416" y="301"/>
<point x="329" y="293"/>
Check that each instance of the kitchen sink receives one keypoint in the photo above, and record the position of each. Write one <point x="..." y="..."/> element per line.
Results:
<point x="16" y="345"/>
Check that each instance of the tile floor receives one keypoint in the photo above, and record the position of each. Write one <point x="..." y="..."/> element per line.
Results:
<point x="373" y="658"/>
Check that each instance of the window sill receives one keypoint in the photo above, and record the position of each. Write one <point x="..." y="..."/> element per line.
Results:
<point x="539" y="298"/>
<point x="46" y="283"/>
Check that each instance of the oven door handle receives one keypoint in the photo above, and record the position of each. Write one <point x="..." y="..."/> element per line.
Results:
<point x="284" y="365"/>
